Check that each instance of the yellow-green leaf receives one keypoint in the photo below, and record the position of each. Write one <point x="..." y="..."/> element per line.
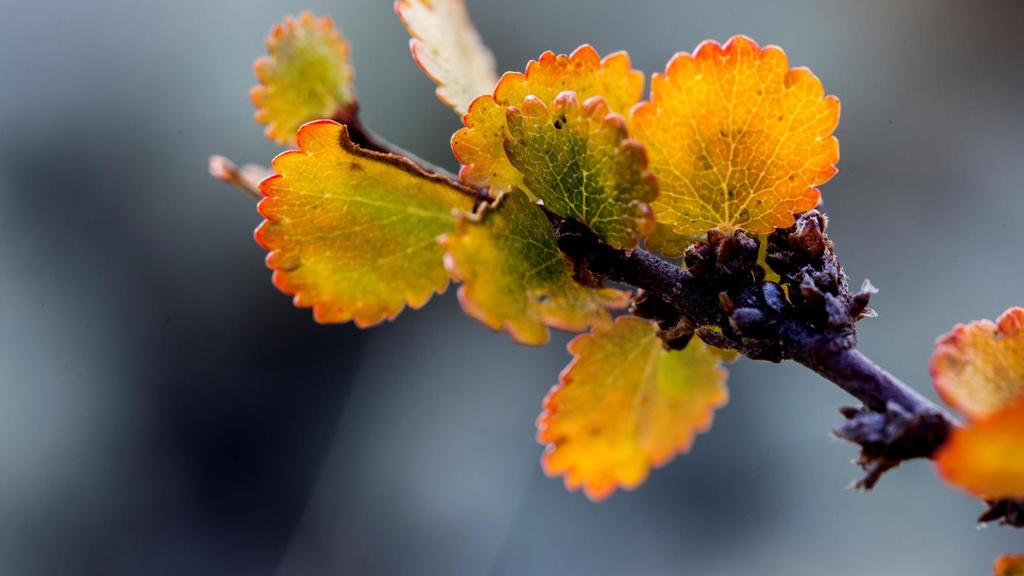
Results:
<point x="736" y="138"/>
<point x="305" y="76"/>
<point x="447" y="47"/>
<point x="480" y="145"/>
<point x="353" y="233"/>
<point x="625" y="405"/>
<point x="515" y="278"/>
<point x="578" y="159"/>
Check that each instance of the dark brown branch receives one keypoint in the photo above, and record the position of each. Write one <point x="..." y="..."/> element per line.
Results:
<point x="722" y="297"/>
<point x="712" y="293"/>
<point x="890" y="436"/>
<point x="807" y="315"/>
<point x="1008" y="512"/>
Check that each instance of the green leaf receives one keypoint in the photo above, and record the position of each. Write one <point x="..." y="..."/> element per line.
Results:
<point x="515" y="278"/>
<point x="353" y="233"/>
<point x="578" y="159"/>
<point x="306" y="75"/>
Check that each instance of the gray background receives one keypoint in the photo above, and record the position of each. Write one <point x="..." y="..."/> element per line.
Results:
<point x="163" y="410"/>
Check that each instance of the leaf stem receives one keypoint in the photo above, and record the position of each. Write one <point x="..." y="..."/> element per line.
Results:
<point x="364" y="137"/>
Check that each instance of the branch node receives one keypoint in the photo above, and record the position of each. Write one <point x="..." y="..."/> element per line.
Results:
<point x="889" y="437"/>
<point x="1006" y="512"/>
<point x="809" y="315"/>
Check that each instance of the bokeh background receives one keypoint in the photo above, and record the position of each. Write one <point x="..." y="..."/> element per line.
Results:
<point x="164" y="410"/>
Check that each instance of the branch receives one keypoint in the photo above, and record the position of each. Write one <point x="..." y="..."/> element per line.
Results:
<point x="722" y="296"/>
<point x="806" y="314"/>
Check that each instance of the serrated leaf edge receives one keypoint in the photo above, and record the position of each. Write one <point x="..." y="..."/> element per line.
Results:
<point x="344" y="141"/>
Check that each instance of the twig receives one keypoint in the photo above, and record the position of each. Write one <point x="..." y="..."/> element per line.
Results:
<point x="723" y="298"/>
<point x="247" y="178"/>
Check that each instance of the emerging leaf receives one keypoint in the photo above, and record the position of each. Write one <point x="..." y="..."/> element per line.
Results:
<point x="986" y="458"/>
<point x="480" y="145"/>
<point x="305" y="76"/>
<point x="736" y="138"/>
<point x="447" y="47"/>
<point x="516" y="279"/>
<point x="578" y="159"/>
<point x="979" y="368"/>
<point x="353" y="233"/>
<point x="1010" y="565"/>
<point x="625" y="405"/>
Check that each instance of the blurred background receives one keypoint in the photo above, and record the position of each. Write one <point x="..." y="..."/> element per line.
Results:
<point x="165" y="411"/>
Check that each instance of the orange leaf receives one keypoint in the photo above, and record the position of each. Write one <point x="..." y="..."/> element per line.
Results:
<point x="479" y="146"/>
<point x="514" y="277"/>
<point x="978" y="368"/>
<point x="625" y="405"/>
<point x="447" y="47"/>
<point x="1010" y="565"/>
<point x="736" y="138"/>
<point x="305" y="76"/>
<point x="353" y="233"/>
<point x="986" y="458"/>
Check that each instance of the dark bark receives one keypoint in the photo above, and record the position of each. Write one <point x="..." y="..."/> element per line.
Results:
<point x="1008" y="512"/>
<point x="807" y="315"/>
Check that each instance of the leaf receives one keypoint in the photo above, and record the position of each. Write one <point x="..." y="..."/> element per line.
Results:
<point x="736" y="138"/>
<point x="986" y="457"/>
<point x="352" y="233"/>
<point x="479" y="146"/>
<point x="1010" y="565"/>
<point x="305" y="76"/>
<point x="625" y="405"/>
<point x="578" y="159"/>
<point x="516" y="279"/>
<point x="979" y="368"/>
<point x="448" y="49"/>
